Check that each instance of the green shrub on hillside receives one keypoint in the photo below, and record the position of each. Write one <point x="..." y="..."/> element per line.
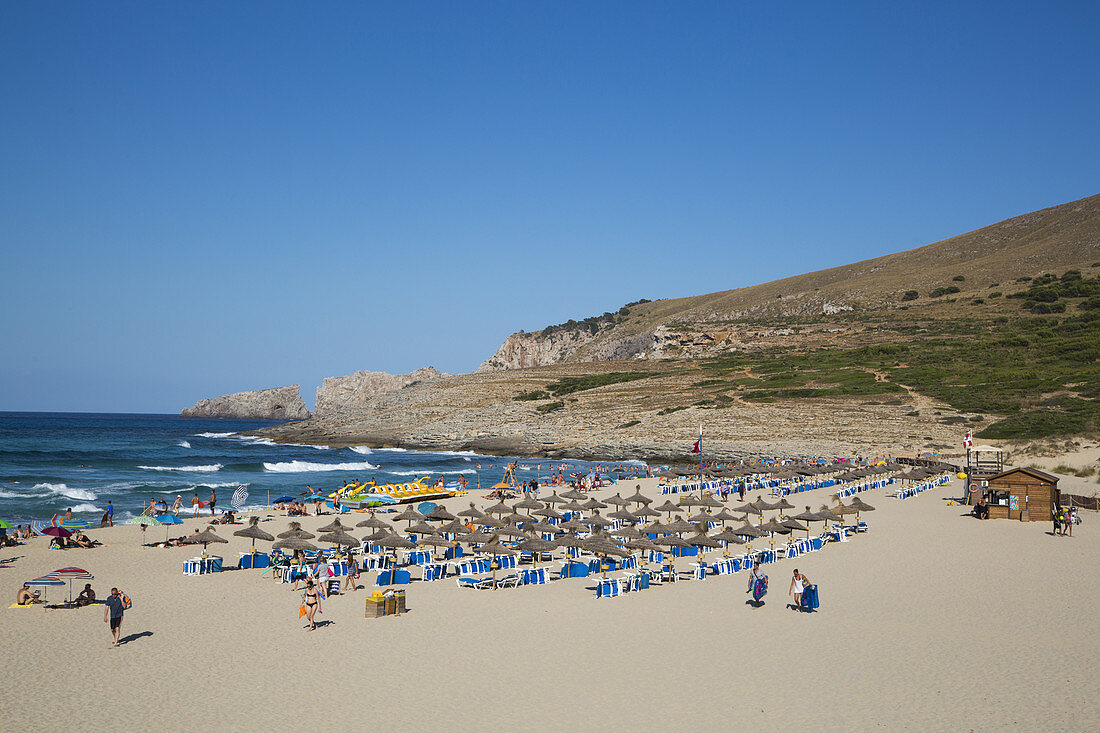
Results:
<point x="941" y="291"/>
<point x="910" y="295"/>
<point x="959" y="278"/>
<point x="569" y="385"/>
<point x="549" y="407"/>
<point x="537" y="394"/>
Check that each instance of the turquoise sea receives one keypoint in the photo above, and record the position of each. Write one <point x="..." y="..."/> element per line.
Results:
<point x="50" y="462"/>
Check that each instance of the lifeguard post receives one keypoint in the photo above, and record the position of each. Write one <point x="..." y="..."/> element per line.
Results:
<point x="983" y="462"/>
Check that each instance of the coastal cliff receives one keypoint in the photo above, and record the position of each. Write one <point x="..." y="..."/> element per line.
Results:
<point x="277" y="403"/>
<point x="353" y="391"/>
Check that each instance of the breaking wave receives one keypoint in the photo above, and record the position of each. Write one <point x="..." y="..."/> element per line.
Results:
<point x="213" y="435"/>
<point x="63" y="490"/>
<point x="362" y="450"/>
<point x="184" y="444"/>
<point x="86" y="508"/>
<point x="306" y="467"/>
<point x="196" y="469"/>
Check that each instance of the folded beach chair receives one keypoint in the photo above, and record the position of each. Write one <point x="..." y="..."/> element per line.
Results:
<point x="608" y="588"/>
<point x="473" y="582"/>
<point x="509" y="581"/>
<point x="699" y="572"/>
<point x="393" y="577"/>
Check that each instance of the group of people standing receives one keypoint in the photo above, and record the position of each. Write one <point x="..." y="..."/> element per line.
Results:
<point x="1064" y="519"/>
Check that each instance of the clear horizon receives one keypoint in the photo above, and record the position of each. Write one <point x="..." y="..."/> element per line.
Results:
<point x="204" y="199"/>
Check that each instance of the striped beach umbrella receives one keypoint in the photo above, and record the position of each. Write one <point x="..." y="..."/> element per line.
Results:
<point x="45" y="581"/>
<point x="70" y="574"/>
<point x="240" y="496"/>
<point x="75" y="523"/>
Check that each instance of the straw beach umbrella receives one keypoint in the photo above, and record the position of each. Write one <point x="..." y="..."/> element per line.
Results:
<point x="536" y="546"/>
<point x="593" y="503"/>
<point x="294" y="544"/>
<point x="553" y="499"/>
<point x="410" y="514"/>
<point x="205" y="537"/>
<point x="420" y="528"/>
<point x="549" y="512"/>
<point x="617" y="500"/>
<point x="727" y="536"/>
<point x="440" y="514"/>
<point x="639" y="497"/>
<point x="253" y="532"/>
<point x="669" y="507"/>
<point x="296" y="531"/>
<point x="499" y="508"/>
<point x="528" y="503"/>
<point x="473" y="512"/>
<point x="374" y="523"/>
<point x="334" y="526"/>
<point x="573" y="494"/>
<point x="339" y="537"/>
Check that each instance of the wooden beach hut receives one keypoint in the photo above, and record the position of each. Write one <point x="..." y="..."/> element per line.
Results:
<point x="1024" y="494"/>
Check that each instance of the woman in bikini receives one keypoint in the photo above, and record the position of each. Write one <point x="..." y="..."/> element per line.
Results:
<point x="312" y="601"/>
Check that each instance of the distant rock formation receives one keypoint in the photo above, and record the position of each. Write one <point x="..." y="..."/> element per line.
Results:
<point x="523" y="350"/>
<point x="354" y="390"/>
<point x="278" y="403"/>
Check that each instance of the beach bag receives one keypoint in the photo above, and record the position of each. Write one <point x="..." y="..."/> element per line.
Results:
<point x="301" y="610"/>
<point x="126" y="602"/>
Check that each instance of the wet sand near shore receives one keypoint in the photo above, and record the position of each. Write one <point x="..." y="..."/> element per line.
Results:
<point x="931" y="620"/>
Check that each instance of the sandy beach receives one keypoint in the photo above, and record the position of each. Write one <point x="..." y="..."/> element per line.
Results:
<point x="931" y="620"/>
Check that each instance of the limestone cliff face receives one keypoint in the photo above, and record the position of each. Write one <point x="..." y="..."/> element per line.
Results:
<point x="278" y="403"/>
<point x="522" y="350"/>
<point x="355" y="390"/>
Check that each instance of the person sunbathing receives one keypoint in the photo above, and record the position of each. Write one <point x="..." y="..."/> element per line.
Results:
<point x="81" y="540"/>
<point x="86" y="597"/>
<point x="25" y="597"/>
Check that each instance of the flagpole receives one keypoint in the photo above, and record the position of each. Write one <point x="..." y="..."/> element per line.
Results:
<point x="700" y="461"/>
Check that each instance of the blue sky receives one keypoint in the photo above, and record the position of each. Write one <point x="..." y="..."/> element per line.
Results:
<point x="199" y="198"/>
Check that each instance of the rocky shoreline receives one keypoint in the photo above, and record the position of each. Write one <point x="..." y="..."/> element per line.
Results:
<point x="633" y="420"/>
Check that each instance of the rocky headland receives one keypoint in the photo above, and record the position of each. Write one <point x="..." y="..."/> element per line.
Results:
<point x="353" y="391"/>
<point x="994" y="331"/>
<point x="277" y="403"/>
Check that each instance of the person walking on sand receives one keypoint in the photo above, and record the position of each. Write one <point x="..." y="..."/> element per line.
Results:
<point x="213" y="501"/>
<point x="798" y="584"/>
<point x="112" y="613"/>
<point x="177" y="505"/>
<point x="311" y="600"/>
<point x="1055" y="515"/>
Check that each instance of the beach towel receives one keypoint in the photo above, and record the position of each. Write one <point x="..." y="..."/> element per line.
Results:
<point x="809" y="598"/>
<point x="18" y="605"/>
<point x="760" y="588"/>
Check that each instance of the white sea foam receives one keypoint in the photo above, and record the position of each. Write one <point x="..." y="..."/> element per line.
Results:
<point x="190" y="469"/>
<point x="394" y="450"/>
<point x="253" y="440"/>
<point x="428" y="473"/>
<point x="306" y="467"/>
<point x="362" y="450"/>
<point x="9" y="495"/>
<point x="63" y="490"/>
<point x="87" y="508"/>
<point x="214" y="435"/>
<point x="184" y="444"/>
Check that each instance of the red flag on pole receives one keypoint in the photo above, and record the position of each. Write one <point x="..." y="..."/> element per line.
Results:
<point x="696" y="448"/>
